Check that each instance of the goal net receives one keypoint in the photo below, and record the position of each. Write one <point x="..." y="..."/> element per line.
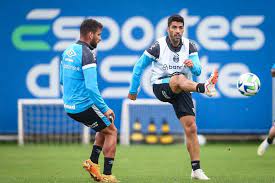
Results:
<point x="146" y="111"/>
<point x="45" y="121"/>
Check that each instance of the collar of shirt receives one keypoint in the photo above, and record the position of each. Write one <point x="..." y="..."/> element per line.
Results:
<point x="84" y="43"/>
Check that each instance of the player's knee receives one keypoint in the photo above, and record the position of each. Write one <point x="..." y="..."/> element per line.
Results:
<point x="177" y="79"/>
<point x="182" y="81"/>
<point x="114" y="131"/>
<point x="191" y="127"/>
<point x="177" y="82"/>
<point x="173" y="81"/>
<point x="110" y="130"/>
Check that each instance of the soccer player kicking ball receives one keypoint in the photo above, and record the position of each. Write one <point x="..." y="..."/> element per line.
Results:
<point x="83" y="102"/>
<point x="174" y="60"/>
<point x="269" y="140"/>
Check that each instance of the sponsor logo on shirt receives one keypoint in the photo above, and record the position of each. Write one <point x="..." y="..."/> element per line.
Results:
<point x="71" y="67"/>
<point x="175" y="67"/>
<point x="69" y="106"/>
<point x="69" y="60"/>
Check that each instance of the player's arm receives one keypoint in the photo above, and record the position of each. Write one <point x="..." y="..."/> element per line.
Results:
<point x="193" y="61"/>
<point x="150" y="55"/>
<point x="90" y="76"/>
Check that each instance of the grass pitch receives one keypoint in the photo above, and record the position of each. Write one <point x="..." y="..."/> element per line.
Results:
<point x="236" y="163"/>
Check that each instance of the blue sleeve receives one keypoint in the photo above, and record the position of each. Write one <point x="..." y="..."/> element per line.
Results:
<point x="196" y="69"/>
<point x="139" y="67"/>
<point x="193" y="55"/>
<point x="273" y="67"/>
<point x="90" y="75"/>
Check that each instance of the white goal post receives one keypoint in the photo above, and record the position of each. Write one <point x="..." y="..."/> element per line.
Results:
<point x="39" y="124"/>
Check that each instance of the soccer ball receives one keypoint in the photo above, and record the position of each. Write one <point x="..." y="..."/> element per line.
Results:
<point x="249" y="84"/>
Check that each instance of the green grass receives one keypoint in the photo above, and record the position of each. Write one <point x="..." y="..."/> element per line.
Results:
<point x="137" y="164"/>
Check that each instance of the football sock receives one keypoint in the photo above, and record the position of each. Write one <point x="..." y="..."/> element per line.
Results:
<point x="195" y="165"/>
<point x="269" y="140"/>
<point x="200" y="88"/>
<point x="108" y="164"/>
<point x="95" y="153"/>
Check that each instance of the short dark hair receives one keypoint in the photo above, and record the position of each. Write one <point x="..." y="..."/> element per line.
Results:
<point x="175" y="18"/>
<point x="89" y="25"/>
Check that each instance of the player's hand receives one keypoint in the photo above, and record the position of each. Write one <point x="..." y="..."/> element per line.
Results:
<point x="110" y="115"/>
<point x="188" y="63"/>
<point x="132" y="96"/>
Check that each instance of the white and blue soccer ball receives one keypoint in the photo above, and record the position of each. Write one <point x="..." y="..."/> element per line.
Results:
<point x="248" y="84"/>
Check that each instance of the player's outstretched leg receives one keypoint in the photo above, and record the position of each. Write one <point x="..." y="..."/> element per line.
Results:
<point x="210" y="84"/>
<point x="179" y="83"/>
<point x="199" y="175"/>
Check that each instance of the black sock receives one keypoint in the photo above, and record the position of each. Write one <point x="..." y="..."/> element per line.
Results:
<point x="108" y="164"/>
<point x="200" y="88"/>
<point x="269" y="140"/>
<point x="95" y="153"/>
<point x="195" y="165"/>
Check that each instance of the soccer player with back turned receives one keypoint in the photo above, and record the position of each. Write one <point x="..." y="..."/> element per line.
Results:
<point x="174" y="60"/>
<point x="83" y="102"/>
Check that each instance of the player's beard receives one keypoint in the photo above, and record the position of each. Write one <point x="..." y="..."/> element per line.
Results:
<point x="93" y="43"/>
<point x="175" y="40"/>
<point x="177" y="37"/>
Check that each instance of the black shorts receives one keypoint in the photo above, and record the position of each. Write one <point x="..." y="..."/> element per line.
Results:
<point x="93" y="118"/>
<point x="182" y="102"/>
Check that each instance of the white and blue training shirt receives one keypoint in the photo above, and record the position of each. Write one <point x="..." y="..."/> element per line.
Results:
<point x="78" y="76"/>
<point x="166" y="61"/>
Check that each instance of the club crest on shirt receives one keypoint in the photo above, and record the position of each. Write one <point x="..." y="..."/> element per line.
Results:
<point x="71" y="53"/>
<point x="176" y="58"/>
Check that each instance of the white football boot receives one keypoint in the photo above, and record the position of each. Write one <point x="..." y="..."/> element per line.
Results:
<point x="210" y="84"/>
<point x="199" y="175"/>
<point x="262" y="148"/>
